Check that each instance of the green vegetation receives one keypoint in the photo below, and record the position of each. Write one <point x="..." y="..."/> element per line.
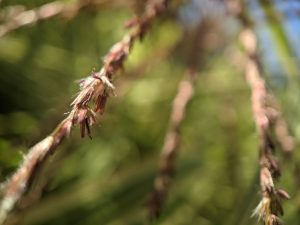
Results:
<point x="109" y="179"/>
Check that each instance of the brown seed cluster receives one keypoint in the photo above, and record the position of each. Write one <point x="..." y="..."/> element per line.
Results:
<point x="96" y="88"/>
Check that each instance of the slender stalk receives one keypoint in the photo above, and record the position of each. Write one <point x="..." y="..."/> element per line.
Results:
<point x="170" y="148"/>
<point x="171" y="145"/>
<point x="270" y="207"/>
<point x="266" y="118"/>
<point x="94" y="92"/>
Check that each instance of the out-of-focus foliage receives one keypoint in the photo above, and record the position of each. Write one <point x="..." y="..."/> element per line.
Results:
<point x="108" y="180"/>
